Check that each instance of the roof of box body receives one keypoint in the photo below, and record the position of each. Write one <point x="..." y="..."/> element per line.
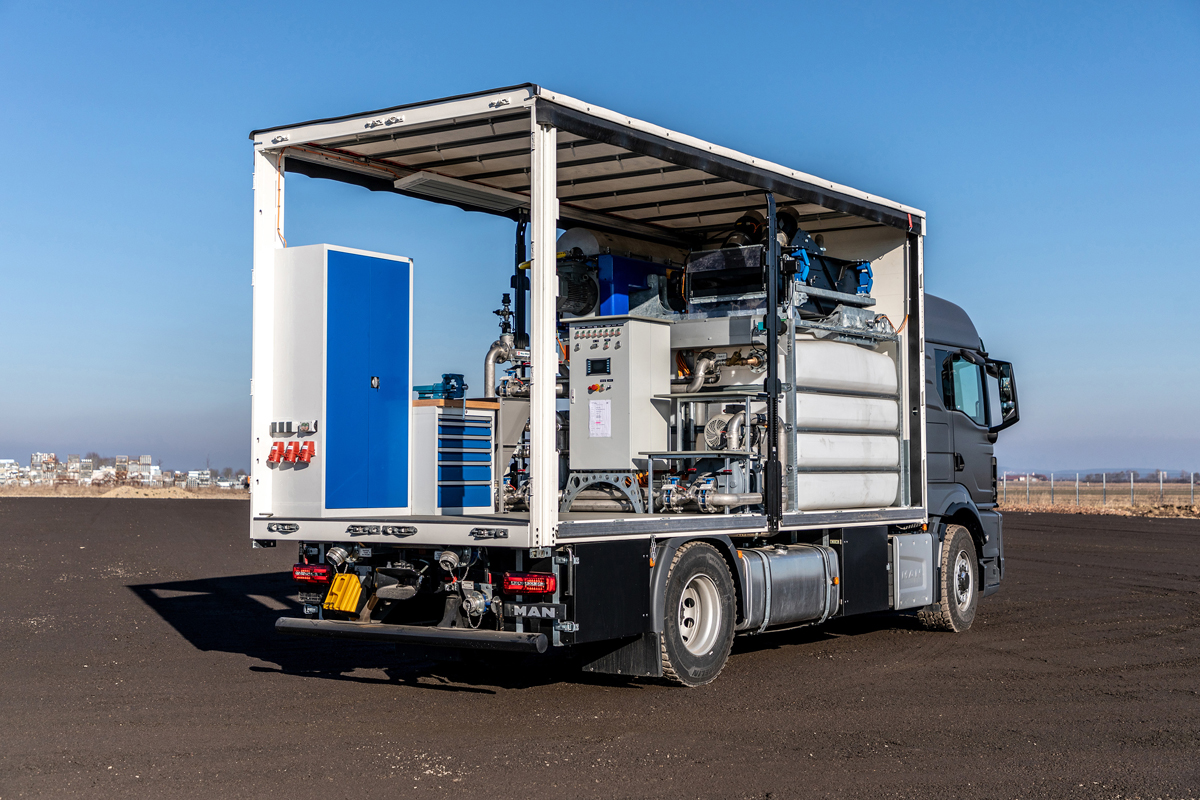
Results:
<point x="614" y="172"/>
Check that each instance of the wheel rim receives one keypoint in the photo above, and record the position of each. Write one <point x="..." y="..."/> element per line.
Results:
<point x="699" y="615"/>
<point x="964" y="579"/>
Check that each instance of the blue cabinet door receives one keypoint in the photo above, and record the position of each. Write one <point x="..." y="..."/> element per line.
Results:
<point x="387" y="410"/>
<point x="367" y="337"/>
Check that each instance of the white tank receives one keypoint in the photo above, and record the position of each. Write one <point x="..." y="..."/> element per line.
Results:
<point x="835" y="366"/>
<point x="846" y="413"/>
<point x="841" y="490"/>
<point x="846" y="451"/>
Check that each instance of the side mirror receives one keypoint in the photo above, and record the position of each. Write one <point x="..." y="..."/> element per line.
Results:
<point x="1006" y="393"/>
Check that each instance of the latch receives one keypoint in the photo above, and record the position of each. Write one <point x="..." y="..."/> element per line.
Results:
<point x="566" y="626"/>
<point x="489" y="533"/>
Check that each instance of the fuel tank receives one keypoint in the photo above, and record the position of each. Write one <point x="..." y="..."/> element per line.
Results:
<point x="788" y="584"/>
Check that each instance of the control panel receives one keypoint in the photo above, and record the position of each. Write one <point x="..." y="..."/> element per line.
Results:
<point x="618" y="365"/>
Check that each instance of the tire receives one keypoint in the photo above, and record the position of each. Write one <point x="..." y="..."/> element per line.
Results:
<point x="700" y="615"/>
<point x="960" y="584"/>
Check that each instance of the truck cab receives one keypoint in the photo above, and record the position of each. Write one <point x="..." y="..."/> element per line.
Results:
<point x="969" y="399"/>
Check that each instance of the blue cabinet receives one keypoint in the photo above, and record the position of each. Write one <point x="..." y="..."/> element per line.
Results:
<point x="367" y="381"/>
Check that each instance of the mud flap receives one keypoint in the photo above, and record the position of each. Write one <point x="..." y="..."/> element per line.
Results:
<point x="638" y="657"/>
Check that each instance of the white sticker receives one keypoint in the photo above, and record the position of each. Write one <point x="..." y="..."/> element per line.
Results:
<point x="600" y="419"/>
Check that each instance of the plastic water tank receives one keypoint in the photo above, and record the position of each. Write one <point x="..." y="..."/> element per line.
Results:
<point x="846" y="413"/>
<point x="839" y="367"/>
<point x="823" y="491"/>
<point x="846" y="451"/>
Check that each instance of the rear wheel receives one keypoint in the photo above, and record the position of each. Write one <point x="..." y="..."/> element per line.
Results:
<point x="960" y="584"/>
<point x="700" y="615"/>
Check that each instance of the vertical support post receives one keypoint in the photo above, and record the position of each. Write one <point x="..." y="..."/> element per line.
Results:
<point x="1130" y="487"/>
<point x="1028" y="482"/>
<point x="1192" y="482"/>
<point x="1104" y="488"/>
<point x="543" y="466"/>
<point x="1160" y="487"/>
<point x="1051" y="488"/>
<point x="793" y="483"/>
<point x="773" y="490"/>
<point x="1077" y="490"/>
<point x="1006" y="487"/>
<point x="267" y="238"/>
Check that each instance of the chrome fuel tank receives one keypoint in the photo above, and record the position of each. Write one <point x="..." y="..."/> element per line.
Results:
<point x="785" y="585"/>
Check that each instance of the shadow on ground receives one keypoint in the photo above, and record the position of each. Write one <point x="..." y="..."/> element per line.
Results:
<point x="237" y="615"/>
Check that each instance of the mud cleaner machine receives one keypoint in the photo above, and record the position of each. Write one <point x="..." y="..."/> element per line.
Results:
<point x="704" y="413"/>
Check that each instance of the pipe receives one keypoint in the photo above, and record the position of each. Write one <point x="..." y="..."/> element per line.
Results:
<point x="733" y="432"/>
<point x="703" y="365"/>
<point x="499" y="351"/>
<point x="601" y="505"/>
<point x="502" y="351"/>
<point x="723" y="499"/>
<point x="560" y="390"/>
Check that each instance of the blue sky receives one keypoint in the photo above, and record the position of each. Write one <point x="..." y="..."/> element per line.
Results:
<point x="1054" y="147"/>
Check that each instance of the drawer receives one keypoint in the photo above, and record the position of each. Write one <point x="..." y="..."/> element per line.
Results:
<point x="464" y="496"/>
<point x="481" y="473"/>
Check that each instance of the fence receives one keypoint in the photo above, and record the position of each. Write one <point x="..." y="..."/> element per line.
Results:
<point x="1071" y="490"/>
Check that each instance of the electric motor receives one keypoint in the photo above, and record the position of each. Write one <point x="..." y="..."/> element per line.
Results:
<point x="578" y="289"/>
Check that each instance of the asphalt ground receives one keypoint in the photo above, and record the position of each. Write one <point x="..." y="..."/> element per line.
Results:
<point x="138" y="660"/>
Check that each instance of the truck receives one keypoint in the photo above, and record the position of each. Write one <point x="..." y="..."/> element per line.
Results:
<point x="719" y="401"/>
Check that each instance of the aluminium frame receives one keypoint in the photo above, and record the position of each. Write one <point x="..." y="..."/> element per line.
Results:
<point x="547" y="113"/>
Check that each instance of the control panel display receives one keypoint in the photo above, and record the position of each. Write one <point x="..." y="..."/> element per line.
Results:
<point x="599" y="366"/>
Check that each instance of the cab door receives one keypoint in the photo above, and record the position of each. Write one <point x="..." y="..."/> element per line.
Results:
<point x="966" y="403"/>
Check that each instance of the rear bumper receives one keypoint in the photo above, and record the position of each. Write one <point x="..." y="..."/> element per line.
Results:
<point x="416" y="634"/>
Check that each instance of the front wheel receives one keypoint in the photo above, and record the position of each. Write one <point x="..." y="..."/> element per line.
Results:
<point x="960" y="584"/>
<point x="700" y="615"/>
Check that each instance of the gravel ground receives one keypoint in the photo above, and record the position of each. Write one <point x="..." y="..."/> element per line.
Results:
<point x="139" y="661"/>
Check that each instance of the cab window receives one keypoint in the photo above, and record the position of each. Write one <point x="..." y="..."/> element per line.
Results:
<point x="962" y="387"/>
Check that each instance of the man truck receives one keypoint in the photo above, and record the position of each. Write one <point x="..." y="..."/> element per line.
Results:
<point x="719" y="402"/>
